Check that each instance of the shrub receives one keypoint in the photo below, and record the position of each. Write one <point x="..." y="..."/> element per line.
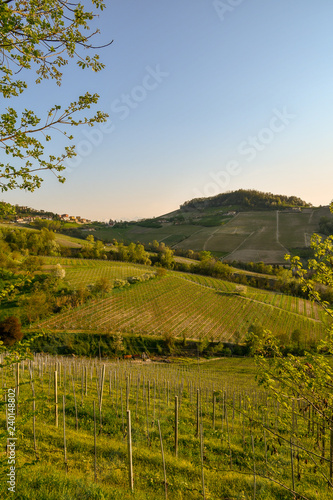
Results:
<point x="10" y="331"/>
<point x="103" y="285"/>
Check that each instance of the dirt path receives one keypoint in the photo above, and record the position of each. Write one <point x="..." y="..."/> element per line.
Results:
<point x="278" y="234"/>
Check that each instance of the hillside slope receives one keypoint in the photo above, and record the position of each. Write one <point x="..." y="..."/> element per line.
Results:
<point x="185" y="305"/>
<point x="247" y="236"/>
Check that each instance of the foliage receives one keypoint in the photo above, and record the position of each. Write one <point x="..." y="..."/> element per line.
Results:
<point x="149" y="223"/>
<point x="256" y="267"/>
<point x="52" y="225"/>
<point x="326" y="225"/>
<point x="103" y="285"/>
<point x="59" y="272"/>
<point x="166" y="258"/>
<point x="42" y="37"/>
<point x="35" y="242"/>
<point x="210" y="266"/>
<point x="303" y="382"/>
<point x="246" y="199"/>
<point x="6" y="209"/>
<point x="117" y="343"/>
<point x="10" y="331"/>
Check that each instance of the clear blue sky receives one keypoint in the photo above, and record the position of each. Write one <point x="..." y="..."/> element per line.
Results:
<point x="203" y="97"/>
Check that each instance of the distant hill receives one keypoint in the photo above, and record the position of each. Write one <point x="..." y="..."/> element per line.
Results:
<point x="245" y="225"/>
<point x="248" y="199"/>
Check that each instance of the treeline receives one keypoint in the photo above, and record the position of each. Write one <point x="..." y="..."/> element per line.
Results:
<point x="18" y="243"/>
<point x="256" y="267"/>
<point x="117" y="344"/>
<point x="51" y="225"/>
<point x="249" y="199"/>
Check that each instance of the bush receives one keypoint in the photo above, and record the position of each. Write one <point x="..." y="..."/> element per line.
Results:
<point x="103" y="285"/>
<point x="10" y="331"/>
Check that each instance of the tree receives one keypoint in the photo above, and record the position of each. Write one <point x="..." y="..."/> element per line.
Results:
<point x="6" y="209"/>
<point x="117" y="343"/>
<point x="59" y="272"/>
<point x="41" y="36"/>
<point x="305" y="383"/>
<point x="103" y="285"/>
<point x="166" y="258"/>
<point x="36" y="306"/>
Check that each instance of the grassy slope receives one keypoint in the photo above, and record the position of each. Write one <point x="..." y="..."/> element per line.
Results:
<point x="227" y="452"/>
<point x="247" y="236"/>
<point x="186" y="305"/>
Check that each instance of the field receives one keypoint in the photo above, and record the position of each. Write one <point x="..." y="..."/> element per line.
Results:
<point x="83" y="272"/>
<point x="260" y="236"/>
<point x="116" y="430"/>
<point x="248" y="236"/>
<point x="190" y="306"/>
<point x="170" y="234"/>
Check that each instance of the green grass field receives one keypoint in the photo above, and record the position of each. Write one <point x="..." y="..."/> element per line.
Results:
<point x="232" y="439"/>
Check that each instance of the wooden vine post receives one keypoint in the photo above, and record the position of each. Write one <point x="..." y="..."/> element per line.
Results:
<point x="65" y="444"/>
<point x="331" y="452"/>
<point x="129" y="446"/>
<point x="56" y="397"/>
<point x="198" y="413"/>
<point x="202" y="463"/>
<point x="176" y="426"/>
<point x="163" y="460"/>
<point x="95" y="445"/>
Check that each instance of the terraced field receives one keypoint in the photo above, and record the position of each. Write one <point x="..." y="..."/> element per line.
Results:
<point x="185" y="305"/>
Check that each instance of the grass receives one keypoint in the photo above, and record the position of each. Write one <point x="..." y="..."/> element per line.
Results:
<point x="149" y="390"/>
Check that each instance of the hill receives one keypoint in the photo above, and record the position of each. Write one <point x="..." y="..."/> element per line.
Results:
<point x="183" y="305"/>
<point x="258" y="235"/>
<point x="248" y="199"/>
<point x="244" y="225"/>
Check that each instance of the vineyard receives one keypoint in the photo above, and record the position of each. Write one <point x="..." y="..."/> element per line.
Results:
<point x="83" y="272"/>
<point x="190" y="306"/>
<point x="105" y="430"/>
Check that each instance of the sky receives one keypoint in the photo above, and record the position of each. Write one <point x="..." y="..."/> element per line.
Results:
<point x="203" y="97"/>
